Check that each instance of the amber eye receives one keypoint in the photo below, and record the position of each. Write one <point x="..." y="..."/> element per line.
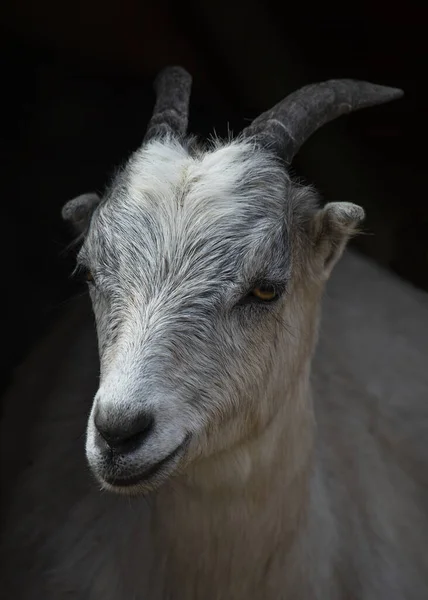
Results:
<point x="89" y="277"/>
<point x="266" y="293"/>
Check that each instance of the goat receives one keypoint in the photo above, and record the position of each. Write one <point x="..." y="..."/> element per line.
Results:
<point x="251" y="468"/>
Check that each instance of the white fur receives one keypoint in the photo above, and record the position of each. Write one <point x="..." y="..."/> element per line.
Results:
<point x="301" y="479"/>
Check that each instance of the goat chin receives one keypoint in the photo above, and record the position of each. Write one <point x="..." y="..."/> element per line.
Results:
<point x="351" y="520"/>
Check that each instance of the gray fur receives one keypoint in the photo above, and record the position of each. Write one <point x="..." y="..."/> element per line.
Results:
<point x="170" y="265"/>
<point x="289" y="478"/>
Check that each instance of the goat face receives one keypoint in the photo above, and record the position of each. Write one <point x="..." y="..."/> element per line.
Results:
<point x="204" y="272"/>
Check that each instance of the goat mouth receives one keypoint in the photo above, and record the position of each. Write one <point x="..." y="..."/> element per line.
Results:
<point x="153" y="472"/>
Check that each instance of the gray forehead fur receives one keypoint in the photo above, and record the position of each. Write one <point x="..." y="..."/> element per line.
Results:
<point x="185" y="215"/>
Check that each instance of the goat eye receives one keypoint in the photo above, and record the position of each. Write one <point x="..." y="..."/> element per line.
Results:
<point x="83" y="274"/>
<point x="261" y="294"/>
<point x="265" y="293"/>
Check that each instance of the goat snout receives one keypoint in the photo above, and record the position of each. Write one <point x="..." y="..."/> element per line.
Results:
<point x="125" y="435"/>
<point x="134" y="442"/>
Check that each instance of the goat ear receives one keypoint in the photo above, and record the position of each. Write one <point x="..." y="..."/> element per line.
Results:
<point x="333" y="226"/>
<point x="79" y="211"/>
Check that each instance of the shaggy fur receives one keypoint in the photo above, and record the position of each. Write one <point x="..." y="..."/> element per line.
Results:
<point x="282" y="484"/>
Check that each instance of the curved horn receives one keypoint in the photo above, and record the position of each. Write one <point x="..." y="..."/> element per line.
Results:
<point x="292" y="121"/>
<point x="171" y="111"/>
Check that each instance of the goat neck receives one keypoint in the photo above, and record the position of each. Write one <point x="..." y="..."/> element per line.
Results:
<point x="250" y="500"/>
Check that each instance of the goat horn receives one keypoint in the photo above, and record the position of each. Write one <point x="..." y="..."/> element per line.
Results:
<point x="171" y="111"/>
<point x="286" y="126"/>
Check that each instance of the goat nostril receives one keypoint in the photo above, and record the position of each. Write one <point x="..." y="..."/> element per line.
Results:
<point x="123" y="435"/>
